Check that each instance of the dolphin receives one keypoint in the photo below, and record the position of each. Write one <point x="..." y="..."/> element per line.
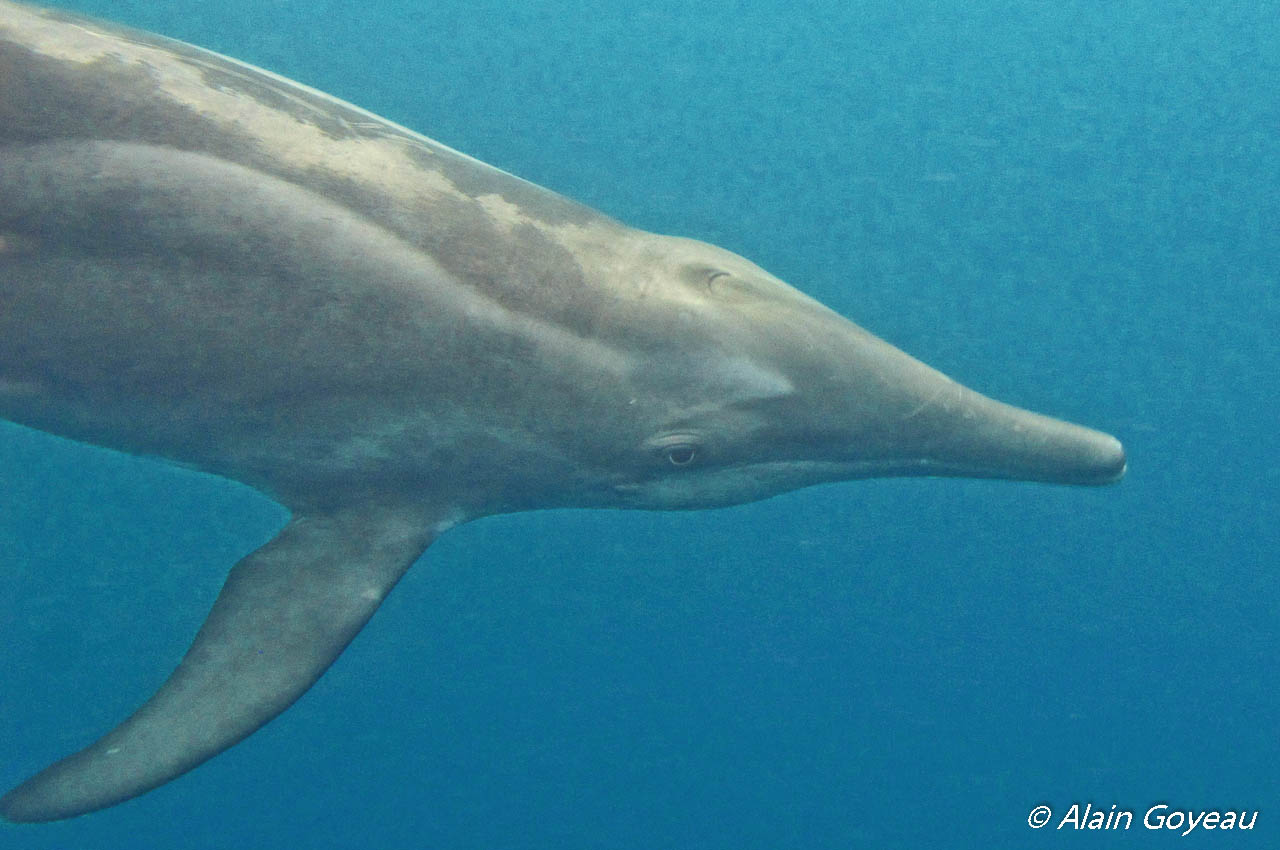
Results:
<point x="206" y="262"/>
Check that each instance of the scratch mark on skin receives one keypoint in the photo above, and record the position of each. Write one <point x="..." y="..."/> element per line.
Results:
<point x="934" y="400"/>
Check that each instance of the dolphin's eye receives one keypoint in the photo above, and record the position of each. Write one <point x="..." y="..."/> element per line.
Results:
<point x="678" y="448"/>
<point x="682" y="454"/>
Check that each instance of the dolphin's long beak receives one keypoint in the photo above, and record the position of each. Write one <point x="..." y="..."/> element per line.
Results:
<point x="905" y="418"/>
<point x="990" y="439"/>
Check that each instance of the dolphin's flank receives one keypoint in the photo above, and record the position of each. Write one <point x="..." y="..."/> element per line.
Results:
<point x="202" y="261"/>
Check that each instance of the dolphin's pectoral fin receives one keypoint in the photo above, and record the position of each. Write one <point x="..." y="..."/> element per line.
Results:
<point x="285" y="613"/>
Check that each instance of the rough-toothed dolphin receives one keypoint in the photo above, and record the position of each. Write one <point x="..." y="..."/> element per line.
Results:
<point x="206" y="262"/>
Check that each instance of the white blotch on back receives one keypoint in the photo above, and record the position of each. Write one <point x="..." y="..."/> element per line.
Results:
<point x="384" y="160"/>
<point x="502" y="211"/>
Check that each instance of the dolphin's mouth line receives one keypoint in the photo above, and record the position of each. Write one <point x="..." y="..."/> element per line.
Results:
<point x="814" y="472"/>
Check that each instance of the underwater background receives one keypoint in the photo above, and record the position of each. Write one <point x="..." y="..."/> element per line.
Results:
<point x="1070" y="206"/>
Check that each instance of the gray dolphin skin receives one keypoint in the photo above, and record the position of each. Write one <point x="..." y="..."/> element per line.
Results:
<point x="208" y="263"/>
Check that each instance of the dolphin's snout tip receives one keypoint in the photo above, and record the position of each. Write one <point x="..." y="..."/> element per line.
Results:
<point x="1032" y="447"/>
<point x="1111" y="463"/>
<point x="1090" y="457"/>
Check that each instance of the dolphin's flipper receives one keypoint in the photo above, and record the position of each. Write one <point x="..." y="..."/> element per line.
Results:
<point x="285" y="613"/>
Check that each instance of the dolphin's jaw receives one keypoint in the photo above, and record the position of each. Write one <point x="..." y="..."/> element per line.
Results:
<point x="749" y="483"/>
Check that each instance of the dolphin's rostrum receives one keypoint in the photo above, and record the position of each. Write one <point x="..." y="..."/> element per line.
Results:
<point x="203" y="261"/>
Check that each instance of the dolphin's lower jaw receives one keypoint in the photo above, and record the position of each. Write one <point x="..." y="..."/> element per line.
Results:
<point x="1107" y="468"/>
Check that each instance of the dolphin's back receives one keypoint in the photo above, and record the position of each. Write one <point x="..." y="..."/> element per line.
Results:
<point x="66" y="77"/>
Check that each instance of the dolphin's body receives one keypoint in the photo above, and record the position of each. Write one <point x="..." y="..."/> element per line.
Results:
<point x="206" y="262"/>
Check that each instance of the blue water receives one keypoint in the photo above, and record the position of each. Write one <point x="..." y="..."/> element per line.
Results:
<point x="1071" y="206"/>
